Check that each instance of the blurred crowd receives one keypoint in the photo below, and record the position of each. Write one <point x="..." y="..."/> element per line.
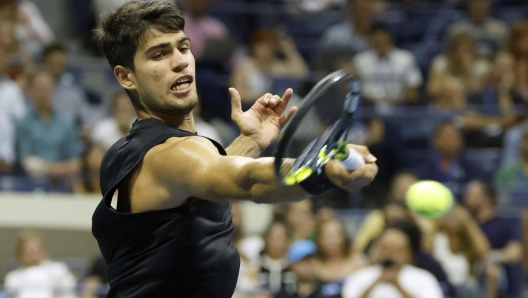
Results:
<point x="439" y="94"/>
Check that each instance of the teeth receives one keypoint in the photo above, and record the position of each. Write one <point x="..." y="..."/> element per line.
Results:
<point x="180" y="87"/>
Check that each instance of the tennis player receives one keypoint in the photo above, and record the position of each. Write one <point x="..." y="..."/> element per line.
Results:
<point x="170" y="232"/>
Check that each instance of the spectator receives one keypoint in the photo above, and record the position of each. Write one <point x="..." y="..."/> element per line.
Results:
<point x="45" y="140"/>
<point x="248" y="248"/>
<point x="301" y="221"/>
<point x="7" y="145"/>
<point x="33" y="32"/>
<point x="461" y="62"/>
<point x="109" y="130"/>
<point x="393" y="275"/>
<point x="199" y="26"/>
<point x="274" y="273"/>
<point x="505" y="239"/>
<point x="301" y="255"/>
<point x="216" y="132"/>
<point x="90" y="168"/>
<point x="390" y="76"/>
<point x="253" y="75"/>
<point x="346" y="39"/>
<point x="515" y="174"/>
<point x="518" y="47"/>
<point x="11" y="97"/>
<point x="447" y="162"/>
<point x="351" y="35"/>
<point x="37" y="276"/>
<point x="394" y="210"/>
<point x="94" y="284"/>
<point x="423" y="259"/>
<point x="459" y="245"/>
<point x="69" y="99"/>
<point x="336" y="259"/>
<point x="489" y="34"/>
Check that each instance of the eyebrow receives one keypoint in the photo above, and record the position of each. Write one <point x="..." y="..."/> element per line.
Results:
<point x="164" y="45"/>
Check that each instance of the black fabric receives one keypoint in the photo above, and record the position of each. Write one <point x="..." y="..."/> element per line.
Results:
<point x="179" y="252"/>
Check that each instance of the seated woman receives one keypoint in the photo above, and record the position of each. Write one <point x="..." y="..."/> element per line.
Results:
<point x="90" y="166"/>
<point x="461" y="62"/>
<point x="336" y="259"/>
<point x="459" y="245"/>
<point x="272" y="55"/>
<point x="518" y="47"/>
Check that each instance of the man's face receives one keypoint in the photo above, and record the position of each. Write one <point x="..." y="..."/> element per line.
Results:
<point x="164" y="74"/>
<point x="394" y="245"/>
<point x="56" y="63"/>
<point x="479" y="9"/>
<point x="32" y="253"/>
<point x="42" y="90"/>
<point x="401" y="185"/>
<point x="448" y="141"/>
<point x="381" y="42"/>
<point x="473" y="196"/>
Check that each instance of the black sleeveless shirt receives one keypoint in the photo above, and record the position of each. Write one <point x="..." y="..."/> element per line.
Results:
<point x="179" y="252"/>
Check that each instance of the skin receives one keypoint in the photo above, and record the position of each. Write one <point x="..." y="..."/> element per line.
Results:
<point x="183" y="167"/>
<point x="392" y="245"/>
<point x="32" y="253"/>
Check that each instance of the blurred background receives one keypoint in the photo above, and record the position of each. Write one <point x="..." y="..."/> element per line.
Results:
<point x="445" y="98"/>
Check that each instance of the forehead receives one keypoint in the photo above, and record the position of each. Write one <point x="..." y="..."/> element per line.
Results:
<point x="154" y="36"/>
<point x="394" y="239"/>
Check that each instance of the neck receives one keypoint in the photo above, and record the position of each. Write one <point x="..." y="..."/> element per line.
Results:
<point x="45" y="112"/>
<point x="478" y="21"/>
<point x="185" y="122"/>
<point x="485" y="214"/>
<point x="335" y="258"/>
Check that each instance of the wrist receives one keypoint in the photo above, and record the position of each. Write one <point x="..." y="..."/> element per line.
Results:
<point x="317" y="183"/>
<point x="252" y="141"/>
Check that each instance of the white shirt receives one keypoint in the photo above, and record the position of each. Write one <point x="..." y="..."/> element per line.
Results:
<point x="7" y="137"/>
<point x="106" y="133"/>
<point x="48" y="280"/>
<point x="12" y="99"/>
<point x="388" y="77"/>
<point x="417" y="282"/>
<point x="456" y="266"/>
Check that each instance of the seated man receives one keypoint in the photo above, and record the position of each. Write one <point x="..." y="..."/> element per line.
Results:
<point x="390" y="76"/>
<point x="489" y="34"/>
<point x="36" y="276"/>
<point x="47" y="143"/>
<point x="504" y="271"/>
<point x="392" y="276"/>
<point x="447" y="162"/>
<point x="514" y="174"/>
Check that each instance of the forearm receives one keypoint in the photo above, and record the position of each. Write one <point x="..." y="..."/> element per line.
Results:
<point x="511" y="253"/>
<point x="477" y="239"/>
<point x="244" y="146"/>
<point x="61" y="168"/>
<point x="404" y="293"/>
<point x="266" y="187"/>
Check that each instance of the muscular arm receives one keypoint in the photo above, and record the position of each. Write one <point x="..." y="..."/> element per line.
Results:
<point x="244" y="146"/>
<point x="181" y="168"/>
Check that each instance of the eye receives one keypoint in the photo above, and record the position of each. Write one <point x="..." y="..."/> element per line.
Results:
<point x="184" y="50"/>
<point x="158" y="56"/>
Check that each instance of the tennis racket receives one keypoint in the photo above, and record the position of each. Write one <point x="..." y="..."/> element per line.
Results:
<point x="318" y="131"/>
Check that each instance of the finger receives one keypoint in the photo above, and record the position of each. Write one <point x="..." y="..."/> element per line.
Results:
<point x="364" y="151"/>
<point x="284" y="101"/>
<point x="265" y="99"/>
<point x="286" y="117"/>
<point x="274" y="101"/>
<point x="236" y="104"/>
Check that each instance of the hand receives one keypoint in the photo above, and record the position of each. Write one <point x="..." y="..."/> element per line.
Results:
<point x="353" y="180"/>
<point x="264" y="120"/>
<point x="389" y="276"/>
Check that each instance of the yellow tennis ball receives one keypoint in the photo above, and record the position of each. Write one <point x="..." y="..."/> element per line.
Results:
<point x="429" y="198"/>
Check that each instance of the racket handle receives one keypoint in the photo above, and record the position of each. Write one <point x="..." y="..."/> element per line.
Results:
<point x="353" y="160"/>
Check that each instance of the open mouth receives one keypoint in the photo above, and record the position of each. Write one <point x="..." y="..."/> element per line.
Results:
<point x="182" y="83"/>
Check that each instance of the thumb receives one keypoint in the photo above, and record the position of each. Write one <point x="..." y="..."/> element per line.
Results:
<point x="236" y="104"/>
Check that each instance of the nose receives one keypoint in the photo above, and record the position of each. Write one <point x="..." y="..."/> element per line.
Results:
<point x="179" y="62"/>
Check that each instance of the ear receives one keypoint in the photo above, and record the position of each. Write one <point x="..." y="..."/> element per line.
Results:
<point x="125" y="77"/>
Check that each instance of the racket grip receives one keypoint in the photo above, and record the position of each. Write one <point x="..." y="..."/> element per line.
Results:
<point x="353" y="160"/>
